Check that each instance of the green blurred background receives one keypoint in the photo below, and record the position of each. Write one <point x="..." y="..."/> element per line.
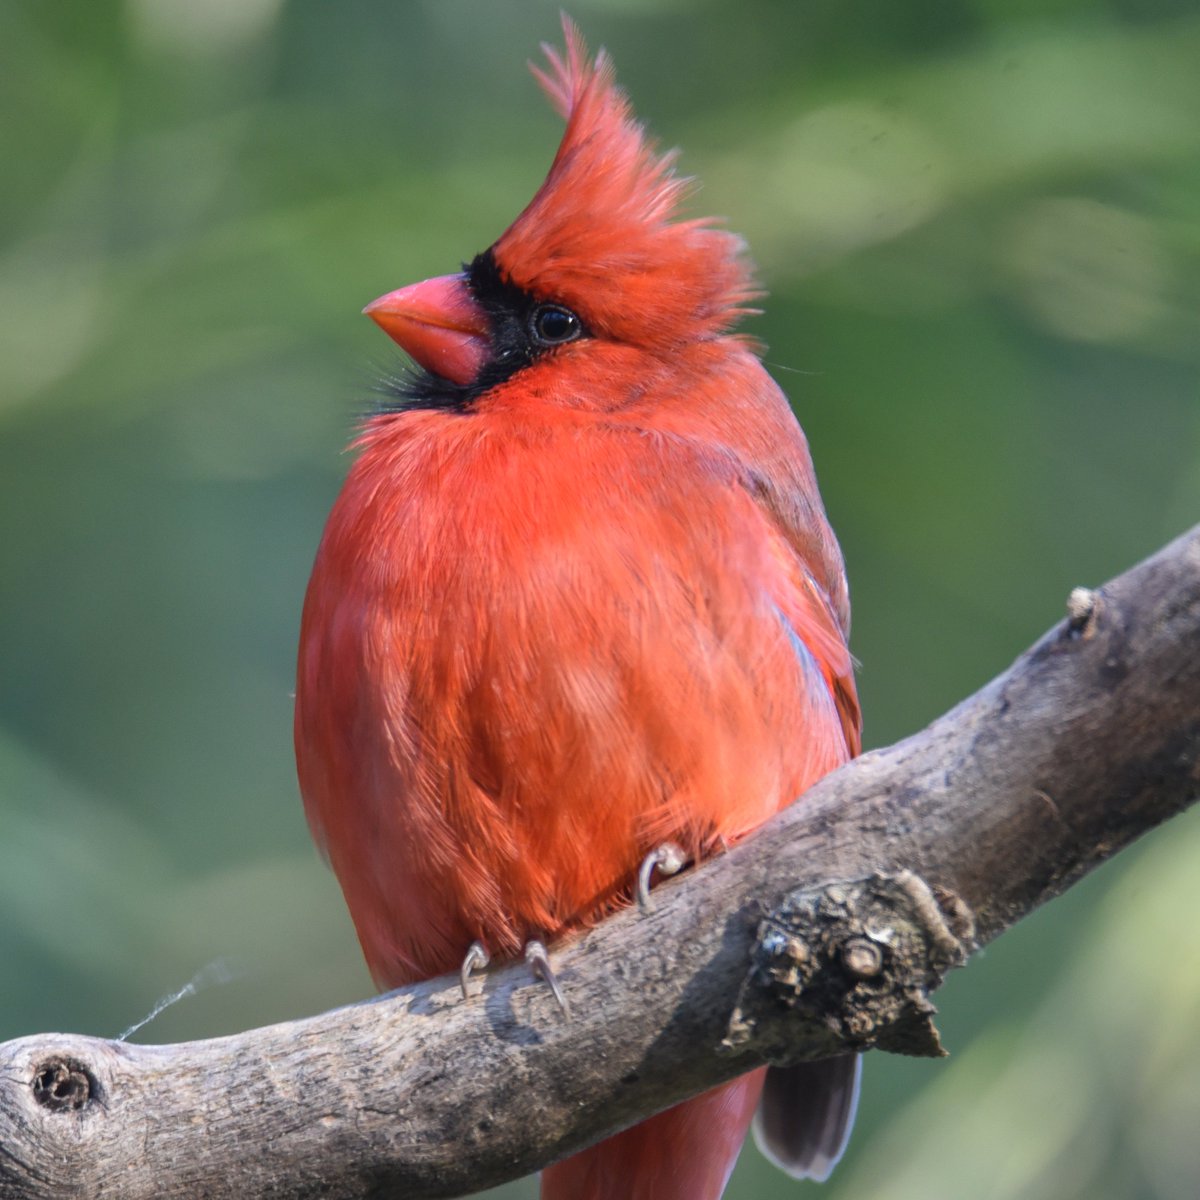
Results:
<point x="979" y="225"/>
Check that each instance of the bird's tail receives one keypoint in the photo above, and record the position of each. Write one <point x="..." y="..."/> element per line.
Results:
<point x="689" y="1151"/>
<point x="685" y="1153"/>
<point x="805" y="1114"/>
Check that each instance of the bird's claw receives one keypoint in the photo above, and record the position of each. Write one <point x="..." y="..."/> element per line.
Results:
<point x="539" y="963"/>
<point x="477" y="958"/>
<point x="667" y="859"/>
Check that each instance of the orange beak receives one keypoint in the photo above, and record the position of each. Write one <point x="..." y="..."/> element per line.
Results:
<point x="438" y="324"/>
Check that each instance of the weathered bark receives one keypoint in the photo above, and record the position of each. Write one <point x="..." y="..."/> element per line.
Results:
<point x="827" y="930"/>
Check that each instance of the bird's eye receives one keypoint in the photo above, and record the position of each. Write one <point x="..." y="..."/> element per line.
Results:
<point x="552" y="325"/>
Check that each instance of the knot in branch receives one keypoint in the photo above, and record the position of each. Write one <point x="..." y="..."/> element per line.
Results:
<point x="63" y="1085"/>
<point x="850" y="966"/>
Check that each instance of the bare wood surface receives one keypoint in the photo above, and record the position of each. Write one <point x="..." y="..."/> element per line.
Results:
<point x="1090" y="739"/>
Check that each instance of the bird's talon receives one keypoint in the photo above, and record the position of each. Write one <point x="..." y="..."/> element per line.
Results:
<point x="539" y="963"/>
<point x="477" y="958"/>
<point x="667" y="859"/>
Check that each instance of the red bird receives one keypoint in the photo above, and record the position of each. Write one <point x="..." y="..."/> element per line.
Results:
<point x="578" y="600"/>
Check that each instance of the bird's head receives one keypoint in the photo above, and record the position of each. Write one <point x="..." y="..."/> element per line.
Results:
<point x="597" y="259"/>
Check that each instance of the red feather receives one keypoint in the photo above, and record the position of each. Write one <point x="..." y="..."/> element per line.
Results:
<point x="562" y="617"/>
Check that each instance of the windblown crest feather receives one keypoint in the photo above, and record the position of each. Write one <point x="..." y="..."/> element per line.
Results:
<point x="600" y="233"/>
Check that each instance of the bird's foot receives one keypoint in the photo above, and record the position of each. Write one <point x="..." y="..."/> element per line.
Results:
<point x="667" y="859"/>
<point x="477" y="958"/>
<point x="539" y="963"/>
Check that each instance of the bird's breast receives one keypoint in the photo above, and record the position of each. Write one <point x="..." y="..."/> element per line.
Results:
<point x="527" y="658"/>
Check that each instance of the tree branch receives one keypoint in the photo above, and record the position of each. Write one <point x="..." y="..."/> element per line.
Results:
<point x="824" y="931"/>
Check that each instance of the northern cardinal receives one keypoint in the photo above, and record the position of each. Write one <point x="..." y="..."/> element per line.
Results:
<point x="577" y="600"/>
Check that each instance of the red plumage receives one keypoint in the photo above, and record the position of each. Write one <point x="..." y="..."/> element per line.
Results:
<point x="578" y="597"/>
